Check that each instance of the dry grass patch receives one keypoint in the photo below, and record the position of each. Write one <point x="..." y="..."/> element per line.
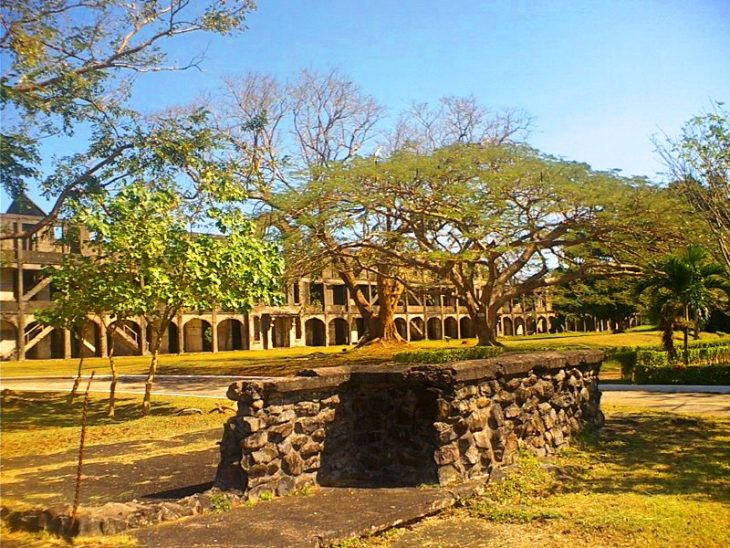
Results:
<point x="648" y="479"/>
<point x="46" y="424"/>
<point x="287" y="361"/>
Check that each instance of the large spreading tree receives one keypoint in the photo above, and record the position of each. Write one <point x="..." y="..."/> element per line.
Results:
<point x="290" y="135"/>
<point x="494" y="220"/>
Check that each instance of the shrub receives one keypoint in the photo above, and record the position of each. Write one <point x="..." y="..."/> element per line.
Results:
<point x="444" y="355"/>
<point x="698" y="355"/>
<point x="692" y="374"/>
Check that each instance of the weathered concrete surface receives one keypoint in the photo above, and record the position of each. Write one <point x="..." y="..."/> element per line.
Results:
<point x="676" y="402"/>
<point x="325" y="517"/>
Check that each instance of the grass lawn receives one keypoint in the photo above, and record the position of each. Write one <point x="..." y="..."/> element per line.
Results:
<point x="648" y="479"/>
<point x="286" y="361"/>
<point x="45" y="424"/>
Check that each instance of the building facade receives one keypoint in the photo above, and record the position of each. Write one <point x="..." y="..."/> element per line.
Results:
<point x="317" y="312"/>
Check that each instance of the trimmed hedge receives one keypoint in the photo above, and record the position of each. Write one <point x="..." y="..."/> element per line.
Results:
<point x="692" y="374"/>
<point x="443" y="355"/>
<point x="698" y="355"/>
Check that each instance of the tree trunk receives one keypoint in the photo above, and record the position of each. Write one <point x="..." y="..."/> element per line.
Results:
<point x="381" y="326"/>
<point x="150" y="380"/>
<point x="77" y="381"/>
<point x="485" y="326"/>
<point x="666" y="325"/>
<point x="81" y="332"/>
<point x="686" y="335"/>
<point x="389" y="291"/>
<point x="113" y="386"/>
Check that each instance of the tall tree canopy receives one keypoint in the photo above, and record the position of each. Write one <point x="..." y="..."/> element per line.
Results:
<point x="495" y="220"/>
<point x="699" y="162"/>
<point x="68" y="66"/>
<point x="290" y="134"/>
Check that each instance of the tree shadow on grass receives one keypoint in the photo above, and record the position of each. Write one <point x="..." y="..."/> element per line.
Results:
<point x="27" y="410"/>
<point x="657" y="453"/>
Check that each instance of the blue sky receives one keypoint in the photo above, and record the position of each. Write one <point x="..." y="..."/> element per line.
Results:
<point x="600" y="78"/>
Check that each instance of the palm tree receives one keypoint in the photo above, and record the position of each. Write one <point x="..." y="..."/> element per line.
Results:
<point x="682" y="288"/>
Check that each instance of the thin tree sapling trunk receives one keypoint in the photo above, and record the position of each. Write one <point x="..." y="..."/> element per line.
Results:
<point x="113" y="386"/>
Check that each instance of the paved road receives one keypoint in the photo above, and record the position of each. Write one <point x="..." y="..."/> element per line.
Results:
<point x="678" y="402"/>
<point x="205" y="386"/>
<point x="714" y="400"/>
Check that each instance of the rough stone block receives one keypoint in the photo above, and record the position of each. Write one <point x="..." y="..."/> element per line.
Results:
<point x="446" y="454"/>
<point x="310" y="448"/>
<point x="306" y="408"/>
<point x="449" y="475"/>
<point x="255" y="441"/>
<point x="265" y="454"/>
<point x="280" y="432"/>
<point x="293" y="464"/>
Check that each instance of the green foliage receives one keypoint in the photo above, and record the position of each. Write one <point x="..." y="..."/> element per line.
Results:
<point x="699" y="161"/>
<point x="491" y="216"/>
<point x="718" y="374"/>
<point x="682" y="288"/>
<point x="219" y="502"/>
<point x="444" y="355"/>
<point x="604" y="298"/>
<point x="708" y="354"/>
<point x="142" y="238"/>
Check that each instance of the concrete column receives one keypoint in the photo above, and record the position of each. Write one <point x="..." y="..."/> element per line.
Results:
<point x="214" y="332"/>
<point x="20" y="347"/>
<point x="293" y="333"/>
<point x="143" y="350"/>
<point x="103" y="346"/>
<point x="180" y="335"/>
<point x="67" y="344"/>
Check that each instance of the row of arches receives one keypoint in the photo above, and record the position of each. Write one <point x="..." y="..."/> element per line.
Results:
<point x="197" y="337"/>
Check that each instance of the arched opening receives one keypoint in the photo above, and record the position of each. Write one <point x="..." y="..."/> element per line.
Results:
<point x="519" y="326"/>
<point x="51" y="346"/>
<point x="507" y="328"/>
<point x="418" y="329"/>
<point x="590" y="324"/>
<point x="89" y="345"/>
<point x="466" y="328"/>
<point x="360" y="328"/>
<point x="402" y="327"/>
<point x="173" y="339"/>
<point x="554" y="325"/>
<point x="542" y="325"/>
<point x="282" y="332"/>
<point x="8" y="339"/>
<point x="531" y="326"/>
<point x="339" y="332"/>
<point x="314" y="332"/>
<point x="434" y="329"/>
<point x="198" y="335"/>
<point x="127" y="339"/>
<point x="230" y="334"/>
<point x="451" y="328"/>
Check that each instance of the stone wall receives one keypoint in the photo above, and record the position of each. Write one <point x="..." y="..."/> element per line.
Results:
<point x="405" y="425"/>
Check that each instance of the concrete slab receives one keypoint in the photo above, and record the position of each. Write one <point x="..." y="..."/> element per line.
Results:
<point x="325" y="517"/>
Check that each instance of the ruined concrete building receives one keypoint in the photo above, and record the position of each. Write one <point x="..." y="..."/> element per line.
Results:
<point x="318" y="311"/>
